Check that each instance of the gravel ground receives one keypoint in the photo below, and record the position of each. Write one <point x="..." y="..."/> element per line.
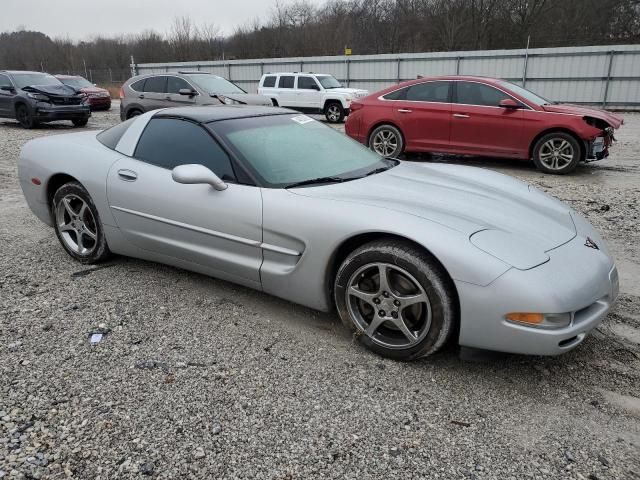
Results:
<point x="198" y="378"/>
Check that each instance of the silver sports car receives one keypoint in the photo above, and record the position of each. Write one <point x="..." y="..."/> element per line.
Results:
<point x="410" y="255"/>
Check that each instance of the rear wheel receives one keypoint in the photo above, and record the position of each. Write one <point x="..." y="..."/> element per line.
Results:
<point x="80" y="122"/>
<point x="78" y="225"/>
<point x="24" y="117"/>
<point x="557" y="153"/>
<point x="397" y="299"/>
<point x="334" y="112"/>
<point x="386" y="140"/>
<point x="133" y="113"/>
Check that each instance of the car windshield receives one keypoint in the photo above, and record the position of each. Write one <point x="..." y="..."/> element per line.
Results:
<point x="215" y="84"/>
<point x="27" y="79"/>
<point x="284" y="150"/>
<point x="77" y="82"/>
<point x="328" y="82"/>
<point x="524" y="93"/>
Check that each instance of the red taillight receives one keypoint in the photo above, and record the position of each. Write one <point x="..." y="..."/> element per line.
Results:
<point x="121" y="93"/>
<point x="356" y="106"/>
<point x="36" y="181"/>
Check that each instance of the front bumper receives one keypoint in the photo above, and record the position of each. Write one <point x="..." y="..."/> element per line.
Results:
<point x="97" y="103"/>
<point x="45" y="112"/>
<point x="576" y="279"/>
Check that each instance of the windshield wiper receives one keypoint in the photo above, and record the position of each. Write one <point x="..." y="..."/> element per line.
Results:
<point x="314" y="181"/>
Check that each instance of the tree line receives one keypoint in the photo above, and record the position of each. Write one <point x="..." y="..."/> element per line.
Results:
<point x="365" y="26"/>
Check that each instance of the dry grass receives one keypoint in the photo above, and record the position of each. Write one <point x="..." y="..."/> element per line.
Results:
<point x="114" y="89"/>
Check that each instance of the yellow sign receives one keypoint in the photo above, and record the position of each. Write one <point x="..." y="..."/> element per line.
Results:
<point x="347" y="51"/>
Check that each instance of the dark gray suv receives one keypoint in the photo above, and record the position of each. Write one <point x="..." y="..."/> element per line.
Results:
<point x="36" y="97"/>
<point x="175" y="89"/>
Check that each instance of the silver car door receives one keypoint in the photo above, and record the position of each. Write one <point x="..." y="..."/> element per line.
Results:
<point x="221" y="230"/>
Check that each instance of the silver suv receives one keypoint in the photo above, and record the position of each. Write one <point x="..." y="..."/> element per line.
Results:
<point x="175" y="89"/>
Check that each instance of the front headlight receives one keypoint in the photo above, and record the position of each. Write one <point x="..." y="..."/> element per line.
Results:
<point x="38" y="96"/>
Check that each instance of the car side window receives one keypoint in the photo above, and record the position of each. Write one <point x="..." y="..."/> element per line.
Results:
<point x="269" y="81"/>
<point x="169" y="142"/>
<point x="307" y="83"/>
<point x="138" y="86"/>
<point x="175" y="84"/>
<point x="156" y="85"/>
<point x="286" y="81"/>
<point x="471" y="93"/>
<point x="397" y="95"/>
<point x="429" y="92"/>
<point x="4" y="81"/>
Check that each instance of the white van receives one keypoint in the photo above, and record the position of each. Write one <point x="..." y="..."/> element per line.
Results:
<point x="310" y="92"/>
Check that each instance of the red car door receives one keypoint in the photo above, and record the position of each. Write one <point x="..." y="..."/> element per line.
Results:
<point x="479" y="126"/>
<point x="423" y="113"/>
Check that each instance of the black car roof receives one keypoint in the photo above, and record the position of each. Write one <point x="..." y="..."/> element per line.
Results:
<point x="207" y="114"/>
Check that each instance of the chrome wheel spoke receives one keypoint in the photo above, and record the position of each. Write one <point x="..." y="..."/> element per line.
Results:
<point x="364" y="296"/>
<point x="66" y="228"/>
<point x="374" y="325"/>
<point x="89" y="234"/>
<point x="67" y="206"/>
<point x="402" y="326"/>
<point x="408" y="300"/>
<point x="384" y="278"/>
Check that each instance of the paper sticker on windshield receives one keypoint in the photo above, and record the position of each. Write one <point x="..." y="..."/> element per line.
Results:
<point x="302" y="119"/>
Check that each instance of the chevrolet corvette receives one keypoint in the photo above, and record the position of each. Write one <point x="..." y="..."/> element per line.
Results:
<point x="411" y="256"/>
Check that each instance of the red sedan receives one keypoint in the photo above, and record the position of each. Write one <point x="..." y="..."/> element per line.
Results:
<point x="99" y="98"/>
<point x="481" y="116"/>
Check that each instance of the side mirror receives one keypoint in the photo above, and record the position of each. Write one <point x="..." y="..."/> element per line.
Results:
<point x="316" y="87"/>
<point x="187" y="92"/>
<point x="509" y="103"/>
<point x="7" y="88"/>
<point x="194" y="173"/>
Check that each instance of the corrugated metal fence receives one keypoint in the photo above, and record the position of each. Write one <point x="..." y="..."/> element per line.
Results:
<point x="608" y="76"/>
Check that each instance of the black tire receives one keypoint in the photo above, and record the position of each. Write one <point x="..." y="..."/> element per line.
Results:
<point x="24" y="117"/>
<point x="395" y="141"/>
<point x="133" y="113"/>
<point x="80" y="122"/>
<point x="275" y="102"/>
<point x="557" y="153"/>
<point x="428" y="278"/>
<point x="333" y="112"/>
<point x="97" y="249"/>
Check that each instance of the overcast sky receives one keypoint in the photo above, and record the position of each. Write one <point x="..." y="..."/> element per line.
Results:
<point x="81" y="19"/>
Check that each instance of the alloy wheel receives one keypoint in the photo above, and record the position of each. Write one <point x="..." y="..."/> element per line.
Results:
<point x="385" y="143"/>
<point x="389" y="305"/>
<point x="333" y="113"/>
<point x="76" y="224"/>
<point x="556" y="154"/>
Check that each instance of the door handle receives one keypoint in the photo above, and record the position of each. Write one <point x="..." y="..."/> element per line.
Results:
<point x="460" y="115"/>
<point x="405" y="110"/>
<point x="128" y="175"/>
<point x="141" y="96"/>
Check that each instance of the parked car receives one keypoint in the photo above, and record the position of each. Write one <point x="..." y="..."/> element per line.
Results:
<point x="311" y="93"/>
<point x="481" y="116"/>
<point x="161" y="90"/>
<point x="409" y="254"/>
<point x="36" y="97"/>
<point x="99" y="98"/>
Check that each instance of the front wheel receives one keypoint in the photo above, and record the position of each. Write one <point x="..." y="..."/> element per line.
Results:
<point x="25" y="118"/>
<point x="386" y="141"/>
<point x="80" y="122"/>
<point x="557" y="152"/>
<point x="78" y="225"/>
<point x="397" y="299"/>
<point x="334" y="112"/>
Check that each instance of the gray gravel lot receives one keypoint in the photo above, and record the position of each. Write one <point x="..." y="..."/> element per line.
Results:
<point x="199" y="378"/>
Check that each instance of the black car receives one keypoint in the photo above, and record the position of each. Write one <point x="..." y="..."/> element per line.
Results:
<point x="36" y="97"/>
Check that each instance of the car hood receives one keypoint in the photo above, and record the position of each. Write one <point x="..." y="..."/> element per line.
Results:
<point x="57" y="90"/>
<point x="466" y="199"/>
<point x="611" y="118"/>
<point x="246" y="98"/>
<point x="349" y="91"/>
<point x="90" y="90"/>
